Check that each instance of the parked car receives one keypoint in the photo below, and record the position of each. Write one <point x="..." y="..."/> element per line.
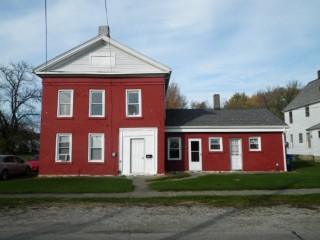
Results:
<point x="34" y="163"/>
<point x="11" y="165"/>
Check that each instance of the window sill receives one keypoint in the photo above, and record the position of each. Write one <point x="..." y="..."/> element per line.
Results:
<point x="96" y="163"/>
<point x="64" y="118"/>
<point x="134" y="118"/>
<point x="63" y="163"/>
<point x="213" y="152"/>
<point x="97" y="118"/>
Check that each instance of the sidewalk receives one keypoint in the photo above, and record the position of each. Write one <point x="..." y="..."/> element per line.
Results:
<point x="141" y="190"/>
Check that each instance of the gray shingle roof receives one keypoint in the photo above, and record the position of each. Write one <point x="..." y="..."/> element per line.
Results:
<point x="315" y="127"/>
<point x="223" y="118"/>
<point x="309" y="94"/>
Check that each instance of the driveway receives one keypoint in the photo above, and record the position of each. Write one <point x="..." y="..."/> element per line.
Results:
<point x="109" y="221"/>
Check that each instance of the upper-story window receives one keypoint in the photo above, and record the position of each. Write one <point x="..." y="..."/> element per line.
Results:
<point x="290" y="117"/>
<point x="65" y="103"/>
<point x="133" y="103"/>
<point x="307" y="110"/>
<point x="96" y="103"/>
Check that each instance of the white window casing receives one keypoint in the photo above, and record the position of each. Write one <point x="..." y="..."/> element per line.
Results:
<point x="96" y="103"/>
<point x="96" y="143"/>
<point x="254" y="144"/>
<point x="63" y="147"/>
<point x="174" y="148"/>
<point x="133" y="103"/>
<point x="65" y="103"/>
<point x="215" y="144"/>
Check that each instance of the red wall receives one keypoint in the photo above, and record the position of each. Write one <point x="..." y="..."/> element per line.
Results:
<point x="80" y="125"/>
<point x="265" y="160"/>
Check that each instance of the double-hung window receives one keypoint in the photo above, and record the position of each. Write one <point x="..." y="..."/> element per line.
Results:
<point x="65" y="103"/>
<point x="97" y="103"/>
<point x="63" y="147"/>
<point x="307" y="111"/>
<point x="133" y="103"/>
<point x="215" y="144"/>
<point x="254" y="143"/>
<point x="290" y="117"/>
<point x="96" y="147"/>
<point x="174" y="148"/>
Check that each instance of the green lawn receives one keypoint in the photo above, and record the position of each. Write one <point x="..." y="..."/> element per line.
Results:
<point x="306" y="174"/>
<point x="66" y="185"/>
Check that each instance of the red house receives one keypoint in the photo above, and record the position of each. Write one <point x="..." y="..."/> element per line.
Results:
<point x="103" y="113"/>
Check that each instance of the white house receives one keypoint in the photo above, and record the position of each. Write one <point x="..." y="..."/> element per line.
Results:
<point x="303" y="117"/>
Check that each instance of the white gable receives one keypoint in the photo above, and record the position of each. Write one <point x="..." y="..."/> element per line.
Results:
<point x="102" y="55"/>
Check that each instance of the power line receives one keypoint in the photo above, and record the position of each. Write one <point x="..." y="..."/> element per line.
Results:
<point x="46" y="27"/>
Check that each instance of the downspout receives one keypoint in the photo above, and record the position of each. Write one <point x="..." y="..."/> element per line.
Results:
<point x="284" y="151"/>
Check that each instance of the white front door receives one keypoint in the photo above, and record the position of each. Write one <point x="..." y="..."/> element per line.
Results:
<point x="195" y="154"/>
<point x="137" y="158"/>
<point x="236" y="154"/>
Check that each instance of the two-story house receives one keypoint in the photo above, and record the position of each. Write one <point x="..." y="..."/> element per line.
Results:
<point x="303" y="117"/>
<point x="103" y="113"/>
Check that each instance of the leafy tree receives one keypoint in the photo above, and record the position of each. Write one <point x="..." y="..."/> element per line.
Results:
<point x="175" y="99"/>
<point x="238" y="101"/>
<point x="20" y="91"/>
<point x="200" y="105"/>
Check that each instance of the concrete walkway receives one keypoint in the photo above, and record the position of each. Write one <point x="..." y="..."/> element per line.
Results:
<point x="141" y="190"/>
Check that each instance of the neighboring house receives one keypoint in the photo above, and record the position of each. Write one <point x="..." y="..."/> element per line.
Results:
<point x="303" y="117"/>
<point x="103" y="113"/>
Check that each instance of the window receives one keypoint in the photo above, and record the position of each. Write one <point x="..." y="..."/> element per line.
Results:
<point x="319" y="134"/>
<point x="290" y="117"/>
<point x="308" y="140"/>
<point x="174" y="148"/>
<point x="133" y="101"/>
<point x="291" y="140"/>
<point x="307" y="110"/>
<point x="65" y="102"/>
<point x="96" y="103"/>
<point x="63" y="147"/>
<point x="255" y="144"/>
<point x="300" y="138"/>
<point x="215" y="144"/>
<point x="96" y="147"/>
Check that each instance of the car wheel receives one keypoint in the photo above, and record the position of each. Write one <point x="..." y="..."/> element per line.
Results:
<point x="4" y="175"/>
<point x="27" y="172"/>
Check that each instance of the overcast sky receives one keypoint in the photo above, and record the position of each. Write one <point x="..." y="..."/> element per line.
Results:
<point x="212" y="46"/>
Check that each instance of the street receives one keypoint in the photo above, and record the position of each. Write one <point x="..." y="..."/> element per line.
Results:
<point x="110" y="221"/>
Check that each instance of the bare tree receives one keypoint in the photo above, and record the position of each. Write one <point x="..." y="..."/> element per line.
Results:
<point x="175" y="99"/>
<point x="20" y="91"/>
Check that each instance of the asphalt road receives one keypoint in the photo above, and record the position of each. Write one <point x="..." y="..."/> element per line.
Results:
<point x="92" y="221"/>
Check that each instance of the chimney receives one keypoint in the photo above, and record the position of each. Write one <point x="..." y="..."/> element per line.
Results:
<point x="216" y="101"/>
<point x="104" y="30"/>
<point x="318" y="74"/>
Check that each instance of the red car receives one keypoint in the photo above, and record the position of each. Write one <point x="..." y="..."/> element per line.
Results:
<point x="34" y="163"/>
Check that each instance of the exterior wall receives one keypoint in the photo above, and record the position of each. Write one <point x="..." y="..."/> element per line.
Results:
<point x="80" y="125"/>
<point x="299" y="125"/>
<point x="267" y="159"/>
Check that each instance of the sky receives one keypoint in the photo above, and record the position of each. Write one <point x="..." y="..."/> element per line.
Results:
<point x="212" y="46"/>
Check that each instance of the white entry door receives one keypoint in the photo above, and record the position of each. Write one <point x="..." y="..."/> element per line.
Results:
<point x="236" y="154"/>
<point x="137" y="156"/>
<point x="195" y="155"/>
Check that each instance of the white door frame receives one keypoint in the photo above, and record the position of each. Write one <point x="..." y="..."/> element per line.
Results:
<point x="195" y="166"/>
<point x="236" y="161"/>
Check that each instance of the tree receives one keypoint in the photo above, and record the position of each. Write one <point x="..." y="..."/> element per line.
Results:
<point x="199" y="105"/>
<point x="174" y="99"/>
<point x="20" y="91"/>
<point x="238" y="101"/>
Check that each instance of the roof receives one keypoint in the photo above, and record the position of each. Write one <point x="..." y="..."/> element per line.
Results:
<point x="315" y="127"/>
<point x="310" y="94"/>
<point x="224" y="118"/>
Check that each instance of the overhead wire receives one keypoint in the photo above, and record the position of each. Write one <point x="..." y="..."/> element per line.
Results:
<point x="46" y="30"/>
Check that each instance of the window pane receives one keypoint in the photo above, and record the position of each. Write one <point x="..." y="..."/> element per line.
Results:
<point x="64" y="109"/>
<point x="133" y="97"/>
<point x="96" y="97"/>
<point x="96" y="141"/>
<point x="215" y="146"/>
<point x="65" y="97"/>
<point x="133" y="109"/>
<point x="174" y="143"/>
<point x="195" y="157"/>
<point x="96" y="109"/>
<point x="194" y="146"/>
<point x="174" y="153"/>
<point x="96" y="154"/>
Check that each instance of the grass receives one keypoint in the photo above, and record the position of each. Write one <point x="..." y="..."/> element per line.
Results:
<point x="170" y="177"/>
<point x="66" y="185"/>
<point x="305" y="175"/>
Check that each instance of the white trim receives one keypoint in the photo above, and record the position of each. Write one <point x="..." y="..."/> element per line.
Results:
<point x="168" y="148"/>
<point x="140" y="102"/>
<point x="203" y="129"/>
<point x="221" y="144"/>
<point x="259" y="149"/>
<point x="284" y="153"/>
<point x="102" y="146"/>
<point x="103" y="102"/>
<point x="195" y="166"/>
<point x="71" y="103"/>
<point x="57" y="147"/>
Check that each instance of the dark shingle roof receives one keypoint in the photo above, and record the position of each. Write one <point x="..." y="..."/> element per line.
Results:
<point x="315" y="127"/>
<point x="223" y="118"/>
<point x="309" y="94"/>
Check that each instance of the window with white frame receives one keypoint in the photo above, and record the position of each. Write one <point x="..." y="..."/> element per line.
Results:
<point x="255" y="143"/>
<point x="133" y="103"/>
<point x="174" y="148"/>
<point x="96" y="147"/>
<point x="63" y="147"/>
<point x="215" y="144"/>
<point x="65" y="103"/>
<point x="300" y="138"/>
<point x="96" y="103"/>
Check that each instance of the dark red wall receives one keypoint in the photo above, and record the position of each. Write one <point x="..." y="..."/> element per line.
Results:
<point x="264" y="160"/>
<point x="80" y="125"/>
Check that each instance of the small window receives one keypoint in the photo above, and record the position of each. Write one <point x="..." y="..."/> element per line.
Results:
<point x="65" y="102"/>
<point x="308" y="139"/>
<point x="255" y="144"/>
<point x="96" y="147"/>
<point x="290" y="117"/>
<point x="133" y="101"/>
<point x="291" y="140"/>
<point x="307" y="110"/>
<point x="215" y="144"/>
<point x="174" y="148"/>
<point x="319" y="134"/>
<point x="300" y="138"/>
<point x="63" y="147"/>
<point x="96" y="102"/>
